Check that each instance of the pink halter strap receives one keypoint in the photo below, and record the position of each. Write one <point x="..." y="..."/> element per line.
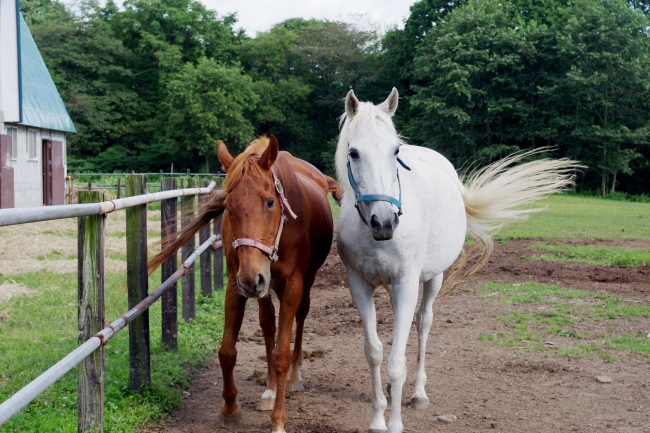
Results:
<point x="272" y="251"/>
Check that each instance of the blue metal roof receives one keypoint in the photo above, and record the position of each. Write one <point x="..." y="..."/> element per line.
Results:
<point x="41" y="104"/>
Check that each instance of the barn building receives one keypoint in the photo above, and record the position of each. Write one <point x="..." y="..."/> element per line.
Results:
<point x="33" y="119"/>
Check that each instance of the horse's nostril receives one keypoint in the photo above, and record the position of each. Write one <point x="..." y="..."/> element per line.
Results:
<point x="395" y="221"/>
<point x="374" y="223"/>
<point x="260" y="282"/>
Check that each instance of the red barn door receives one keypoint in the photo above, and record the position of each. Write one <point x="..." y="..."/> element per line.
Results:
<point x="58" y="173"/>
<point x="53" y="173"/>
<point x="6" y="173"/>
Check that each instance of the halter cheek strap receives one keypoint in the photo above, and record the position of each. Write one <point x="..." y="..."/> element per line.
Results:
<point x="358" y="197"/>
<point x="272" y="251"/>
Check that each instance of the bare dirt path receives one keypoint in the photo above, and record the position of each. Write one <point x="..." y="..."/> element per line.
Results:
<point x="486" y="387"/>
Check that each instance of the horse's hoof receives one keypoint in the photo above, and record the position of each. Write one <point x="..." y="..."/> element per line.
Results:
<point x="227" y="422"/>
<point x="419" y="403"/>
<point x="266" y="404"/>
<point x="295" y="386"/>
<point x="374" y="430"/>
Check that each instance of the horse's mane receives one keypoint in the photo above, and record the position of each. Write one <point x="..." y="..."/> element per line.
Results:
<point x="246" y="163"/>
<point x="369" y="117"/>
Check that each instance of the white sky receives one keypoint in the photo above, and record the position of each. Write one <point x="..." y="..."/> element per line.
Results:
<point x="260" y="15"/>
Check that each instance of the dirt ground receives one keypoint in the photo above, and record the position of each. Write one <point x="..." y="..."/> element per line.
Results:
<point x="487" y="387"/>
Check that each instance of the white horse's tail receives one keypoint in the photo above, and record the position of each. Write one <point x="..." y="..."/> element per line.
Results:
<point x="497" y="194"/>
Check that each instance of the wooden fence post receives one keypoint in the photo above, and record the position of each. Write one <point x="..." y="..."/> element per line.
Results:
<point x="119" y="187"/>
<point x="168" y="226"/>
<point x="204" y="234"/>
<point x="90" y="373"/>
<point x="137" y="283"/>
<point x="189" y="281"/>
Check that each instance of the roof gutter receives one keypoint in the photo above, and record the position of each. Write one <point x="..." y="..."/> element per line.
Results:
<point x="20" y="65"/>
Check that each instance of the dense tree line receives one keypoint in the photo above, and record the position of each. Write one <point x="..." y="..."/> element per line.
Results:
<point x="149" y="83"/>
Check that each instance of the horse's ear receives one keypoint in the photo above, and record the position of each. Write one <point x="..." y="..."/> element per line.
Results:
<point x="270" y="154"/>
<point x="390" y="104"/>
<point x="351" y="104"/>
<point x="224" y="156"/>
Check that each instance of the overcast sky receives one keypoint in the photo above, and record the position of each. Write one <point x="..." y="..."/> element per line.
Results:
<point x="260" y="15"/>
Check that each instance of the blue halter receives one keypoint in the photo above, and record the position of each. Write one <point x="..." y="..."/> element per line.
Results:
<point x="376" y="197"/>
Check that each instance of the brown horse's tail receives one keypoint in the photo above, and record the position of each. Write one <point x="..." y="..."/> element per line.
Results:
<point x="211" y="210"/>
<point x="335" y="189"/>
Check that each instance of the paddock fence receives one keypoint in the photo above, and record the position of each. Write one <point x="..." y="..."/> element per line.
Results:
<point x="112" y="184"/>
<point x="94" y="331"/>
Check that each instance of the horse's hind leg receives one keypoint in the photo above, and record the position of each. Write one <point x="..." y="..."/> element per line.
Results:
<point x="362" y="293"/>
<point x="423" y="320"/>
<point x="294" y="382"/>
<point x="234" y="308"/>
<point x="267" y="322"/>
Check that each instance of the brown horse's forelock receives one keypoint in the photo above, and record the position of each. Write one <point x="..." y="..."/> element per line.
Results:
<point x="247" y="164"/>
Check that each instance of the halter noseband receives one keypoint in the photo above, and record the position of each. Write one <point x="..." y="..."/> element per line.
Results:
<point x="272" y="251"/>
<point x="375" y="197"/>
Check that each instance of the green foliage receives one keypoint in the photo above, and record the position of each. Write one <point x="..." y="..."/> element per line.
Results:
<point x="207" y="103"/>
<point x="150" y="83"/>
<point x="39" y="330"/>
<point x="608" y="256"/>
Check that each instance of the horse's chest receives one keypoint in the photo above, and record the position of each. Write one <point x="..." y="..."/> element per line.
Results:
<point x="378" y="263"/>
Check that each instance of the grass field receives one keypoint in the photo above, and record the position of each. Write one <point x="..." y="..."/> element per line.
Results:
<point x="37" y="331"/>
<point x="596" y="255"/>
<point x="578" y="217"/>
<point x="575" y="323"/>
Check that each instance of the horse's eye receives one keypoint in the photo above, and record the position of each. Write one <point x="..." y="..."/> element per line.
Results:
<point x="396" y="151"/>
<point x="269" y="203"/>
<point x="353" y="154"/>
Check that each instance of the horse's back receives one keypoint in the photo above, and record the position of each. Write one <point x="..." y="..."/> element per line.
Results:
<point x="304" y="168"/>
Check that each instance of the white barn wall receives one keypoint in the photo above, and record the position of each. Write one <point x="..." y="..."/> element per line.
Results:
<point x="9" y="79"/>
<point x="28" y="173"/>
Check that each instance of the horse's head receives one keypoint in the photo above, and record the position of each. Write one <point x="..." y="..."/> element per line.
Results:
<point x="254" y="212"/>
<point x="367" y="155"/>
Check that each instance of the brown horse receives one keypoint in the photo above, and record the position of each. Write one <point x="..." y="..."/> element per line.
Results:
<point x="263" y="189"/>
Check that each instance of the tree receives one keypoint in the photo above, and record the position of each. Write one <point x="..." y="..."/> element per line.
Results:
<point x="473" y="101"/>
<point x="207" y="103"/>
<point x="87" y="63"/>
<point x="605" y="91"/>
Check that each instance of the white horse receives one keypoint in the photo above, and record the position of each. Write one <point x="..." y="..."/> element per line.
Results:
<point x="382" y="177"/>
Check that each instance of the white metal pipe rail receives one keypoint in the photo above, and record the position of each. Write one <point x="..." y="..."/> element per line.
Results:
<point x="36" y="387"/>
<point x="44" y="213"/>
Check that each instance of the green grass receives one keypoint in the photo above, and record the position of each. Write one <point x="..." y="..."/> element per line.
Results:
<point x="38" y="331"/>
<point x="596" y="255"/>
<point x="579" y="217"/>
<point x="335" y="208"/>
<point x="537" y="312"/>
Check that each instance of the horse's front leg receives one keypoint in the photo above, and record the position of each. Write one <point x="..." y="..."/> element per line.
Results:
<point x="405" y="298"/>
<point x="294" y="383"/>
<point x="289" y="302"/>
<point x="234" y="308"/>
<point x="423" y="320"/>
<point x="267" y="322"/>
<point x="362" y="293"/>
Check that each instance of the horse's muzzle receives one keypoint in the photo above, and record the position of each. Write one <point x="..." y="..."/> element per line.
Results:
<point x="383" y="230"/>
<point x="254" y="286"/>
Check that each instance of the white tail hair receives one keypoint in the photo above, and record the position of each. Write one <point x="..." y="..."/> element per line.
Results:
<point x="497" y="194"/>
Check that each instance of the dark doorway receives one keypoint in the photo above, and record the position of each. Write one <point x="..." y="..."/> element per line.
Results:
<point x="53" y="173"/>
